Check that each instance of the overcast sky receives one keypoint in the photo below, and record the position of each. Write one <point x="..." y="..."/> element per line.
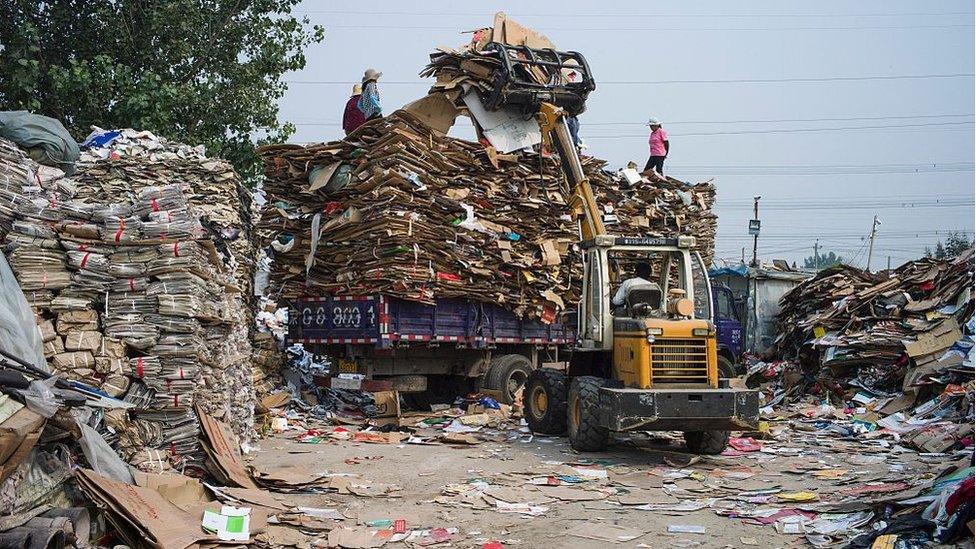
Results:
<point x="764" y="97"/>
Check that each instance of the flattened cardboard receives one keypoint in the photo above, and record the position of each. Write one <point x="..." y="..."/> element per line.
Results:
<point x="435" y="110"/>
<point x="163" y="524"/>
<point x="941" y="337"/>
<point x="226" y="456"/>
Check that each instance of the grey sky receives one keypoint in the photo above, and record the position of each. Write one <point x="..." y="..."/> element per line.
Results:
<point x="682" y="44"/>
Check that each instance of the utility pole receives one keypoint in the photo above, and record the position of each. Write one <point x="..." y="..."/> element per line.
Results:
<point x="889" y="262"/>
<point x="816" y="257"/>
<point x="874" y="231"/>
<point x="743" y="255"/>
<point x="754" y="230"/>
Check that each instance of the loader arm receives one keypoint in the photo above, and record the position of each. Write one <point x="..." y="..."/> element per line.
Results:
<point x="555" y="133"/>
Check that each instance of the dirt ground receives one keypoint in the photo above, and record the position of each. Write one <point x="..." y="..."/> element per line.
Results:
<point x="830" y="468"/>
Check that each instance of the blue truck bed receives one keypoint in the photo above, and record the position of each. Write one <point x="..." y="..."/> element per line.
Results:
<point x="382" y="320"/>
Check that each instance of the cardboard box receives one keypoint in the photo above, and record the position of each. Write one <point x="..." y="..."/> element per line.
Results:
<point x="387" y="407"/>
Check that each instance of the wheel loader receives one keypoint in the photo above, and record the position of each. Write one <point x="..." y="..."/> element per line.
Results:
<point x="649" y="361"/>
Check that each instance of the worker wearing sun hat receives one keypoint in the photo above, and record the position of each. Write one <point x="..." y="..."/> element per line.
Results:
<point x="659" y="144"/>
<point x="352" y="117"/>
<point x="369" y="102"/>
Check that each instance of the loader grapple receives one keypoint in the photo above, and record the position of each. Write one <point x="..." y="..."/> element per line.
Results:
<point x="529" y="77"/>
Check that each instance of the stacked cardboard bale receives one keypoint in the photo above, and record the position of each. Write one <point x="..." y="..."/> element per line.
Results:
<point x="138" y="267"/>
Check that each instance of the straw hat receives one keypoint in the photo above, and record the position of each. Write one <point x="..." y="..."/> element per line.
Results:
<point x="371" y="74"/>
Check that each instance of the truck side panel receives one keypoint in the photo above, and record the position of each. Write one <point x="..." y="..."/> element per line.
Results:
<point x="346" y="319"/>
<point x="380" y="320"/>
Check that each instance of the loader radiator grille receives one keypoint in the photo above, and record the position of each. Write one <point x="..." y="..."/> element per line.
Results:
<point x="679" y="361"/>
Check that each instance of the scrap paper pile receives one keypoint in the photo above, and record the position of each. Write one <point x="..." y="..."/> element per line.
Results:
<point x="888" y="331"/>
<point x="137" y="267"/>
<point x="894" y="348"/>
<point x="400" y="210"/>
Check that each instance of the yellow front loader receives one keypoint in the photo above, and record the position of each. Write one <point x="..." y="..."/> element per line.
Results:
<point x="646" y="356"/>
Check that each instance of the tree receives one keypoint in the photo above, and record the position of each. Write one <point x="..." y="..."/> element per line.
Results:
<point x="197" y="71"/>
<point x="822" y="261"/>
<point x="955" y="245"/>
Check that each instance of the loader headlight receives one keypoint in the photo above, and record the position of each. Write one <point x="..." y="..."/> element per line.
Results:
<point x="655" y="331"/>
<point x="702" y="332"/>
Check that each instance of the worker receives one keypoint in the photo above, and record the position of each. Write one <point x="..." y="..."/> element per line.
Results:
<point x="659" y="146"/>
<point x="352" y="117"/>
<point x="573" y="124"/>
<point x="369" y="101"/>
<point x="642" y="275"/>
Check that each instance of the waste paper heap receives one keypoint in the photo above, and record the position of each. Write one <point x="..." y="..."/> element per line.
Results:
<point x="138" y="267"/>
<point x="895" y="348"/>
<point x="401" y="210"/>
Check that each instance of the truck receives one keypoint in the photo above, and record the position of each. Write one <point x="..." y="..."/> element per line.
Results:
<point x="454" y="344"/>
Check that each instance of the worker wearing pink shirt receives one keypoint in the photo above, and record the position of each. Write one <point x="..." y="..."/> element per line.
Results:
<point x="659" y="146"/>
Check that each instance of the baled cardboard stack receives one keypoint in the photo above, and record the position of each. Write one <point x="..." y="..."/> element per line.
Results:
<point x="138" y="267"/>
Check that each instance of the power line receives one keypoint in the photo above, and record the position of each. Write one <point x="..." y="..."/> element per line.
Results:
<point x="788" y="130"/>
<point x="591" y="124"/>
<point x="637" y="15"/>
<point x="663" y="29"/>
<point x="713" y="81"/>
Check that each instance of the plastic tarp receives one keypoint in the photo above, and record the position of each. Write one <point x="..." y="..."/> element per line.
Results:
<point x="19" y="334"/>
<point x="45" y="139"/>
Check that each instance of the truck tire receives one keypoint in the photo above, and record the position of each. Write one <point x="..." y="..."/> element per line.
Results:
<point x="544" y="401"/>
<point x="585" y="432"/>
<point x="507" y="374"/>
<point x="707" y="442"/>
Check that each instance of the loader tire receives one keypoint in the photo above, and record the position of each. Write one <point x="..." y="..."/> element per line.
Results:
<point x="725" y="368"/>
<point x="585" y="432"/>
<point x="706" y="442"/>
<point x="507" y="374"/>
<point x="544" y="401"/>
<point x="711" y="442"/>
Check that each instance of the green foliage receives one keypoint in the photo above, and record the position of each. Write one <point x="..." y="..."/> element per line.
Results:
<point x="955" y="244"/>
<point x="197" y="71"/>
<point x="822" y="261"/>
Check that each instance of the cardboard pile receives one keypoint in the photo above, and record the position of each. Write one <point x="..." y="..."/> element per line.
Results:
<point x="895" y="347"/>
<point x="138" y="269"/>
<point x="890" y="327"/>
<point x="398" y="209"/>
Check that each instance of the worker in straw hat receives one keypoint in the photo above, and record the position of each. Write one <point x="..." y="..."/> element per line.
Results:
<point x="352" y="117"/>
<point x="659" y="146"/>
<point x="369" y="102"/>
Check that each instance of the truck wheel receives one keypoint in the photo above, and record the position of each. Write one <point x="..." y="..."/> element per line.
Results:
<point x="725" y="367"/>
<point x="707" y="442"/>
<point x="585" y="432"/>
<point x="544" y="401"/>
<point x="507" y="374"/>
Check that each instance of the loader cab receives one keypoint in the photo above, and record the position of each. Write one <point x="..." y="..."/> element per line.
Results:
<point x="610" y="260"/>
<point x="655" y="330"/>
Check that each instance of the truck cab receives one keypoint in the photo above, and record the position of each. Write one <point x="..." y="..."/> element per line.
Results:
<point x="728" y="324"/>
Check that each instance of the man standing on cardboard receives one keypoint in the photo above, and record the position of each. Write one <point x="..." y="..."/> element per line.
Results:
<point x="659" y="146"/>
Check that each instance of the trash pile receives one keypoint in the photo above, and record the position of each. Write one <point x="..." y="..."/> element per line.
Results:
<point x="895" y="347"/>
<point x="884" y="333"/>
<point x="399" y="210"/>
<point x="138" y="267"/>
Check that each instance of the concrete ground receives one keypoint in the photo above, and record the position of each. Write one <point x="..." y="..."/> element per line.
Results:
<point x="826" y="466"/>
